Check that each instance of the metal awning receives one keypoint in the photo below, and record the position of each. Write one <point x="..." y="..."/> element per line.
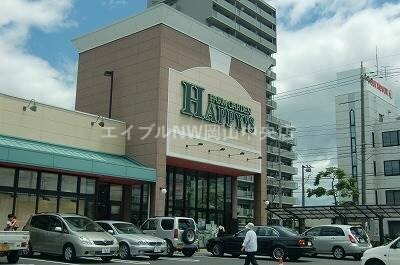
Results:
<point x="45" y="155"/>
<point x="345" y="211"/>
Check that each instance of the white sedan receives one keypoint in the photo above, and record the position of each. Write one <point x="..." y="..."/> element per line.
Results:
<point x="384" y="255"/>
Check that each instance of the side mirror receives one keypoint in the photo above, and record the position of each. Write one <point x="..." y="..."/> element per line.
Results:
<point x="111" y="232"/>
<point x="58" y="229"/>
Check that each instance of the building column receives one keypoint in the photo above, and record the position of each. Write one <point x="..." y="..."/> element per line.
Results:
<point x="157" y="199"/>
<point x="260" y="192"/>
<point x="127" y="203"/>
<point x="234" y="198"/>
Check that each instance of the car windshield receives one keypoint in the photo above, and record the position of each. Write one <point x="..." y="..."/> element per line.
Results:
<point x="82" y="224"/>
<point x="125" y="228"/>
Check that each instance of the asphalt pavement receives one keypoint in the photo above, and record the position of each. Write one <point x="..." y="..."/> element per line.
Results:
<point x="200" y="258"/>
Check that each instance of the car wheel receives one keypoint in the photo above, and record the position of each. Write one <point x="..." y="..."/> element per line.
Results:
<point x="69" y="253"/>
<point x="154" y="257"/>
<point x="13" y="256"/>
<point x="218" y="250"/>
<point x="189" y="236"/>
<point x="188" y="252"/>
<point x="338" y="253"/>
<point x="124" y="251"/>
<point x="170" y="249"/>
<point x="106" y="259"/>
<point x="357" y="257"/>
<point x="374" y="262"/>
<point x="278" y="253"/>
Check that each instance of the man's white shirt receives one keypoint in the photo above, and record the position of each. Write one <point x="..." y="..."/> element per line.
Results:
<point x="250" y="241"/>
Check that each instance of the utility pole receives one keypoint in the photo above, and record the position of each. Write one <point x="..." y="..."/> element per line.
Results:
<point x="363" y="180"/>
<point x="307" y="168"/>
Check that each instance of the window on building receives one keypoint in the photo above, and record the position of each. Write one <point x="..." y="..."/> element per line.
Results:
<point x="373" y="139"/>
<point x="393" y="197"/>
<point x="392" y="168"/>
<point x="7" y="176"/>
<point x="88" y="186"/>
<point x="390" y="138"/>
<point x="374" y="168"/>
<point x="69" y="184"/>
<point x="25" y="205"/>
<point x="49" y="181"/>
<point x="27" y="179"/>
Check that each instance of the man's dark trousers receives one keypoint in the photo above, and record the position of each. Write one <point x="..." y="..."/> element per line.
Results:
<point x="250" y="258"/>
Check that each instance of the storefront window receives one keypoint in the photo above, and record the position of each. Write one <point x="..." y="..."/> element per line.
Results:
<point x="47" y="204"/>
<point x="170" y="192"/>
<point x="90" y="209"/>
<point x="116" y="193"/>
<point x="145" y="203"/>
<point x="7" y="177"/>
<point x="212" y="194"/>
<point x="202" y="193"/>
<point x="220" y="193"/>
<point x="27" y="179"/>
<point x="191" y="189"/>
<point x="88" y="186"/>
<point x="6" y="205"/>
<point x="67" y="205"/>
<point x="49" y="181"/>
<point x="24" y="207"/>
<point x="81" y="209"/>
<point x="179" y="193"/>
<point x="69" y="184"/>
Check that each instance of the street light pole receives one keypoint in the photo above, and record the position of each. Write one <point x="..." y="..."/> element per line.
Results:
<point x="363" y="166"/>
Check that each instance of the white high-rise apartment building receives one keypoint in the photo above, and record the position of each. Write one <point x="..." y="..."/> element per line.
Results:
<point x="382" y="138"/>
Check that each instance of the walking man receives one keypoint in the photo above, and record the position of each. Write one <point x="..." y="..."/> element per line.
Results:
<point x="250" y="245"/>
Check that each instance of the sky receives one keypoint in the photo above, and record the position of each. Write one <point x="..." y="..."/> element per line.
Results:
<point x="316" y="39"/>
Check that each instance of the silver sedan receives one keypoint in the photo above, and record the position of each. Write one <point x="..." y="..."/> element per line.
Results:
<point x="133" y="242"/>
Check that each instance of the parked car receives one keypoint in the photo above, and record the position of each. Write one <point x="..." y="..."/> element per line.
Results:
<point x="11" y="243"/>
<point x="132" y="240"/>
<point x="180" y="233"/>
<point x="384" y="255"/>
<point x="340" y="240"/>
<point x="275" y="241"/>
<point x="69" y="235"/>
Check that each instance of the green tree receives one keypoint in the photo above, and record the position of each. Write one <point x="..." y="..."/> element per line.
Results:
<point x="340" y="185"/>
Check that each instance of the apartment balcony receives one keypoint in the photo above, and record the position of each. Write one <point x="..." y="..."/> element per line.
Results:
<point x="245" y="195"/>
<point x="270" y="89"/>
<point x="284" y="168"/>
<point x="271" y="103"/>
<point x="245" y="212"/>
<point x="282" y="152"/>
<point x="287" y="184"/>
<point x="287" y="200"/>
<point x="270" y="75"/>
<point x="247" y="179"/>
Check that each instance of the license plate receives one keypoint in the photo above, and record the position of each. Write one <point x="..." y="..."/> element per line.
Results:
<point x="157" y="249"/>
<point x="105" y="251"/>
<point x="4" y="247"/>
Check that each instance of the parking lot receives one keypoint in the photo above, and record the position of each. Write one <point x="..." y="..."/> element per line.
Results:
<point x="202" y="258"/>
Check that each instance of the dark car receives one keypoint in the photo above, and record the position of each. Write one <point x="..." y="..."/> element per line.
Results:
<point x="275" y="241"/>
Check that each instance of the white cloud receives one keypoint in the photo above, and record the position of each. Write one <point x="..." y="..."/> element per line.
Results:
<point x="343" y="34"/>
<point x="24" y="74"/>
<point x="114" y="3"/>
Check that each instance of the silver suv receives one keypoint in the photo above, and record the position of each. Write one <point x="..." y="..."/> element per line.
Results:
<point x="339" y="240"/>
<point x="69" y="235"/>
<point x="179" y="232"/>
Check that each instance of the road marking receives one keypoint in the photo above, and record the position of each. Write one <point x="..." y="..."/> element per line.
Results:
<point x="51" y="261"/>
<point x="181" y="259"/>
<point x="131" y="261"/>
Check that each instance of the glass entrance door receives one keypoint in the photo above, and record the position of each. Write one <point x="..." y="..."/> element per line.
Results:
<point x="109" y="201"/>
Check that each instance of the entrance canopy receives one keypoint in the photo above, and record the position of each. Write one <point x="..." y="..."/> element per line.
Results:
<point x="345" y="212"/>
<point x="30" y="153"/>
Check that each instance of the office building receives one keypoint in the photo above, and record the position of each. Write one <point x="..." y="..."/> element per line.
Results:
<point x="382" y="126"/>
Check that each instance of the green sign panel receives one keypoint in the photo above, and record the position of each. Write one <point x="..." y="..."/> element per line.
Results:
<point x="219" y="110"/>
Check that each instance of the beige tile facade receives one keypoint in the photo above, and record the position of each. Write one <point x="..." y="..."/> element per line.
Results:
<point x="59" y="126"/>
<point x="141" y="63"/>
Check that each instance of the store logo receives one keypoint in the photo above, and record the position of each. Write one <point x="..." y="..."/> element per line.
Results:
<point x="380" y="87"/>
<point x="219" y="110"/>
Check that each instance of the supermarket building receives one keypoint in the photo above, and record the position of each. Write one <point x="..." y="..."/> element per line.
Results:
<point x="186" y="108"/>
